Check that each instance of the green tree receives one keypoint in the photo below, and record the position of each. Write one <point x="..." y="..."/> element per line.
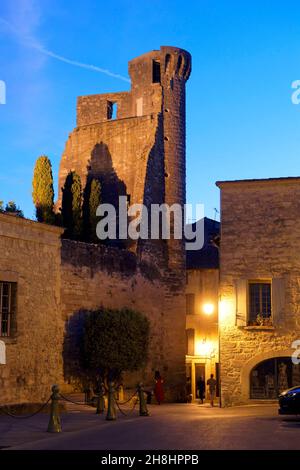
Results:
<point x="12" y="208"/>
<point x="1" y="206"/>
<point x="76" y="191"/>
<point x="42" y="190"/>
<point x="71" y="211"/>
<point x="94" y="201"/>
<point x="114" y="341"/>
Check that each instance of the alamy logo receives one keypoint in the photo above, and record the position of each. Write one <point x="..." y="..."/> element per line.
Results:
<point x="296" y="94"/>
<point x="2" y="92"/>
<point x="159" y="222"/>
<point x="296" y="354"/>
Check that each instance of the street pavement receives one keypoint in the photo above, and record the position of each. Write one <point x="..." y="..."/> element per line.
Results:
<point x="170" y="426"/>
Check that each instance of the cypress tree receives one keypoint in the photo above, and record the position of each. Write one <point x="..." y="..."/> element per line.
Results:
<point x="66" y="206"/>
<point x="76" y="191"/>
<point x="94" y="201"/>
<point x="42" y="190"/>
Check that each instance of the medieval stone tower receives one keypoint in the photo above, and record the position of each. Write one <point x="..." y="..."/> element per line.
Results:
<point x="134" y="143"/>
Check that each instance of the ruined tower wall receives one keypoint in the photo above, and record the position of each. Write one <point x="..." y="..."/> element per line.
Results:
<point x="140" y="154"/>
<point x="111" y="150"/>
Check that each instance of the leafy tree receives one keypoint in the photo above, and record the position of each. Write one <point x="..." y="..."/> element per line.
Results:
<point x="76" y="191"/>
<point x="42" y="190"/>
<point x="1" y="206"/>
<point x="72" y="205"/>
<point x="114" y="341"/>
<point x="12" y="208"/>
<point x="66" y="206"/>
<point x="94" y="201"/>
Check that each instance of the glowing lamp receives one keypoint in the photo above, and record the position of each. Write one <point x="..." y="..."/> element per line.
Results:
<point x="208" y="309"/>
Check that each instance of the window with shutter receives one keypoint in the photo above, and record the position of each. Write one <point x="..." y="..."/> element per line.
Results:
<point x="278" y="300"/>
<point x="190" y="304"/>
<point x="241" y="302"/>
<point x="8" y="295"/>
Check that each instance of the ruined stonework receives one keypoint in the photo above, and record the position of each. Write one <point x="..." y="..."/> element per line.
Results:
<point x="30" y="259"/>
<point x="141" y="155"/>
<point x="260" y="234"/>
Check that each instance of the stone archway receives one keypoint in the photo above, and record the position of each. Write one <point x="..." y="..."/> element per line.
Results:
<point x="254" y="361"/>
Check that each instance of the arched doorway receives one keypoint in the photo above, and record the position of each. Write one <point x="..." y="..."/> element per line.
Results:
<point x="270" y="377"/>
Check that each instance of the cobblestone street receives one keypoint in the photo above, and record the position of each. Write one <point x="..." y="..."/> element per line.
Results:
<point x="174" y="426"/>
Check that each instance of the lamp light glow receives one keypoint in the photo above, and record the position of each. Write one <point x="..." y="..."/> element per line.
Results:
<point x="208" y="309"/>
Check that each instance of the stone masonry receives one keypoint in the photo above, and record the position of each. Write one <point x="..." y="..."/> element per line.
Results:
<point x="30" y="258"/>
<point x="141" y="155"/>
<point x="260" y="238"/>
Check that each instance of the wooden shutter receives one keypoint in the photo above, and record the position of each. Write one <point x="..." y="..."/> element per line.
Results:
<point x="241" y="302"/>
<point x="190" y="342"/>
<point x="278" y="300"/>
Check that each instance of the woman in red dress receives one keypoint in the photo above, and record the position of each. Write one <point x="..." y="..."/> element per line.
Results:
<point x="158" y="390"/>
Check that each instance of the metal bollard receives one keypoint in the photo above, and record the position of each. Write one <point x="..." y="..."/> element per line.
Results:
<point x="111" y="406"/>
<point x="54" y="421"/>
<point x="100" y="400"/>
<point x="143" y="405"/>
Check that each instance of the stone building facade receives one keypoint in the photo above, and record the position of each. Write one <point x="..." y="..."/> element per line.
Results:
<point x="259" y="287"/>
<point x="31" y="326"/>
<point x="202" y="288"/>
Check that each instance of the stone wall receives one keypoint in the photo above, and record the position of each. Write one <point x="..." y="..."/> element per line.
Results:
<point x="95" y="275"/>
<point x="30" y="257"/>
<point x="140" y="155"/>
<point x="260" y="239"/>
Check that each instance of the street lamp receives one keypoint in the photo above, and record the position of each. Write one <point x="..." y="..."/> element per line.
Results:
<point x="208" y="308"/>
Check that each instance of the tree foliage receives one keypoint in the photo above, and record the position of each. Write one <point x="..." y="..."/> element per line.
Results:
<point x="72" y="206"/>
<point x="114" y="341"/>
<point x="94" y="201"/>
<point x="11" y="207"/>
<point x="42" y="190"/>
<point x="76" y="191"/>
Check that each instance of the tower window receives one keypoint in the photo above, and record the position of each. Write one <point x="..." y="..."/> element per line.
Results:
<point x="155" y="71"/>
<point x="111" y="110"/>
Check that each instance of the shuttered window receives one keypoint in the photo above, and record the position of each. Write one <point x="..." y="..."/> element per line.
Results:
<point x="190" y="304"/>
<point x="260" y="302"/>
<point x="7" y="307"/>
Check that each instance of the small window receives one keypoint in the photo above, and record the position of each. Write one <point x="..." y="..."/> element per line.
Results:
<point x="155" y="71"/>
<point x="190" y="341"/>
<point x="190" y="304"/>
<point x="111" y="110"/>
<point x="260" y="310"/>
<point x="7" y="307"/>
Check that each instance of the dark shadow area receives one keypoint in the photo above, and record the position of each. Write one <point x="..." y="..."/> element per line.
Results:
<point x="100" y="167"/>
<point x="72" y="365"/>
<point x="154" y="193"/>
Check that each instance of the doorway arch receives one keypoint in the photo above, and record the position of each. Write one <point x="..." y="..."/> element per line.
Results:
<point x="272" y="376"/>
<point x="255" y="361"/>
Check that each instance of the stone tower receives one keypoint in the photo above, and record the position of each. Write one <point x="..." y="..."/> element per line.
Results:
<point x="134" y="143"/>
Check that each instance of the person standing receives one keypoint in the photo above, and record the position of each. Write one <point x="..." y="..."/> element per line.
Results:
<point x="158" y="389"/>
<point x="212" y="386"/>
<point x="201" y="389"/>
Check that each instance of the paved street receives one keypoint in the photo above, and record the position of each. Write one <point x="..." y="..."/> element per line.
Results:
<point x="180" y="426"/>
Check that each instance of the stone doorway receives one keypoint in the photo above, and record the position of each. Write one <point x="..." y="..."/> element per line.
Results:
<point x="271" y="377"/>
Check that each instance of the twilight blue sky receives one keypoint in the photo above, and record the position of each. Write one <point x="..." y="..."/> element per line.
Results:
<point x="241" y="122"/>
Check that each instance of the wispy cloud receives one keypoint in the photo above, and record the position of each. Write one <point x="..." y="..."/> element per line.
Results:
<point x="26" y="38"/>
